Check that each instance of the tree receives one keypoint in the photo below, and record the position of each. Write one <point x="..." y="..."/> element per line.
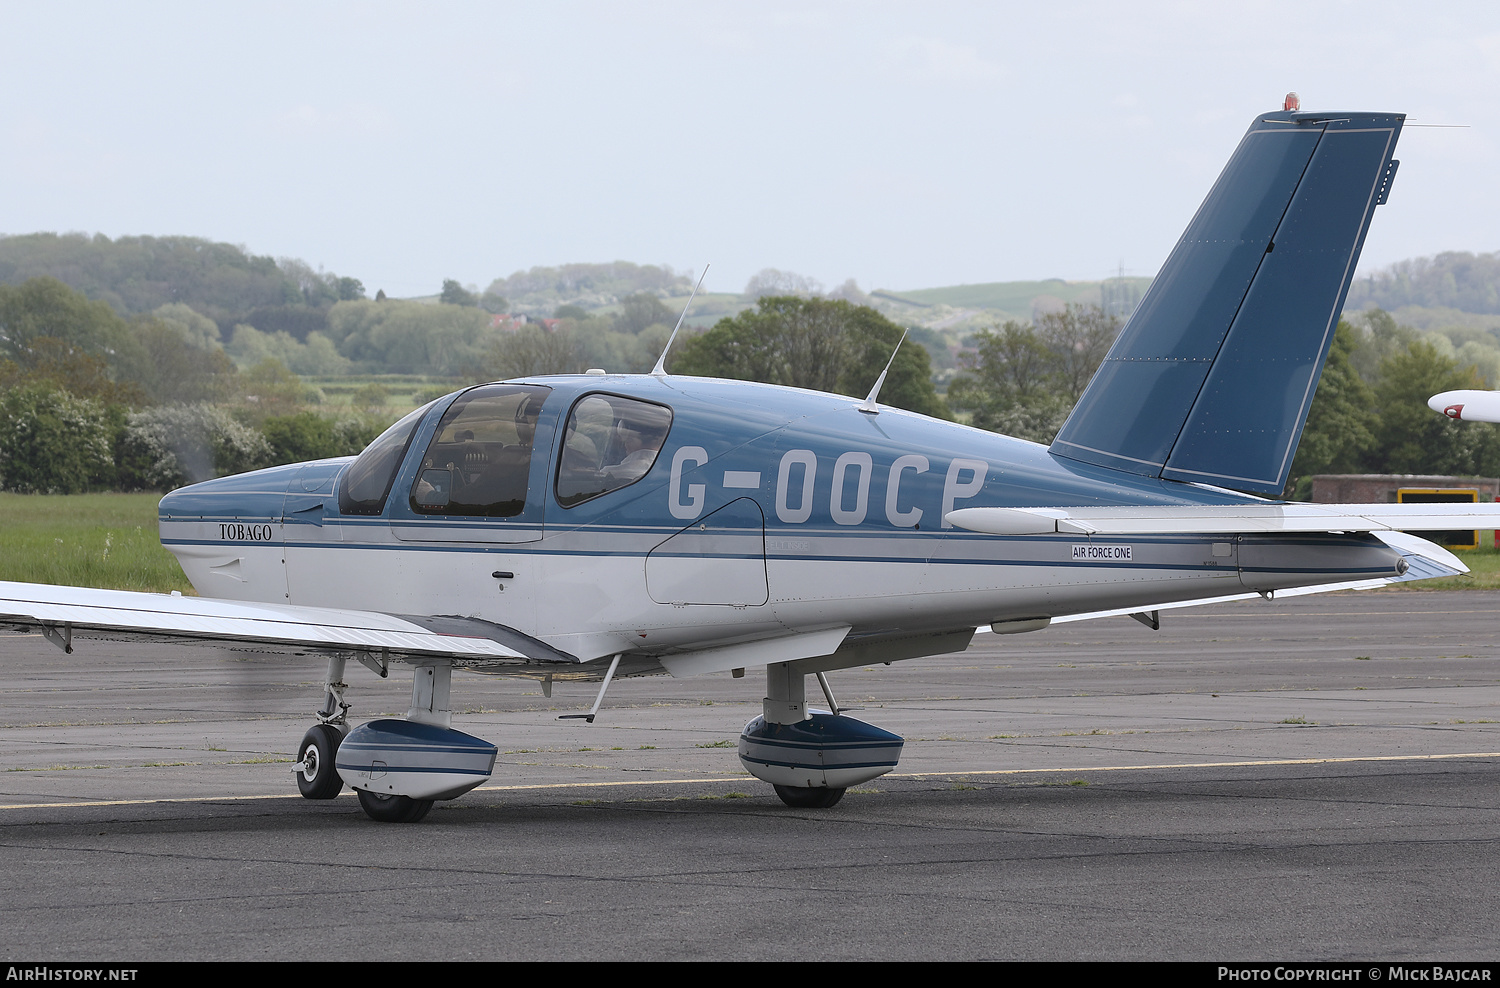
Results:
<point x="396" y="337"/>
<point x="819" y="344"/>
<point x="641" y="310"/>
<point x="370" y="398"/>
<point x="196" y="328"/>
<point x="532" y="351"/>
<point x="1338" y="436"/>
<point x="1383" y="337"/>
<point x="310" y="436"/>
<point x="1010" y="363"/>
<point x="1410" y="437"/>
<point x="169" y="369"/>
<point x="769" y="281"/>
<point x="53" y="443"/>
<point x="272" y="390"/>
<point x="47" y="307"/>
<point x="455" y="294"/>
<point x="318" y="356"/>
<point x="1023" y="380"/>
<point x="47" y="327"/>
<point x="1079" y="336"/>
<point x="65" y="367"/>
<point x="1010" y="384"/>
<point x="165" y="448"/>
<point x="135" y="275"/>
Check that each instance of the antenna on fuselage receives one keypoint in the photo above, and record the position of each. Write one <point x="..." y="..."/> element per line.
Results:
<point x="869" y="406"/>
<point x="660" y="370"/>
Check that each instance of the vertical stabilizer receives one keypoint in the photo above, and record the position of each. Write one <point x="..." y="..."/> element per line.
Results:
<point x="1212" y="377"/>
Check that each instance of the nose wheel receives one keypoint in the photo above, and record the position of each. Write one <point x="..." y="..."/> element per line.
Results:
<point x="317" y="778"/>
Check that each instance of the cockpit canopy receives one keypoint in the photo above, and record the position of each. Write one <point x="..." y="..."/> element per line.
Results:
<point x="478" y="461"/>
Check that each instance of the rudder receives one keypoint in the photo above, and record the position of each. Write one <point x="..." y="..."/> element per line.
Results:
<point x="1212" y="377"/>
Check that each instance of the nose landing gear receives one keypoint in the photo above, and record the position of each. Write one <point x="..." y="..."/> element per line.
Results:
<point x="317" y="776"/>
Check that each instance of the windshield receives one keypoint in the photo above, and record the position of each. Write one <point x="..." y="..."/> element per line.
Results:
<point x="367" y="482"/>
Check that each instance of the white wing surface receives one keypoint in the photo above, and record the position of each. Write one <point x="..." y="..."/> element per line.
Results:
<point x="1425" y="561"/>
<point x="1211" y="519"/>
<point x="60" y="612"/>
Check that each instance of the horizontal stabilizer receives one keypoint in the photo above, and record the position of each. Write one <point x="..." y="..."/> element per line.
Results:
<point x="1424" y="560"/>
<point x="1214" y="519"/>
<point x="1212" y="378"/>
<point x="63" y="612"/>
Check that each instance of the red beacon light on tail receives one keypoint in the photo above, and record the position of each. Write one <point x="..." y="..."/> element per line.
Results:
<point x="1292" y="102"/>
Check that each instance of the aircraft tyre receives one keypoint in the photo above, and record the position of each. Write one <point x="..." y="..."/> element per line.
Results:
<point x="318" y="778"/>
<point x="808" y="798"/>
<point x="393" y="809"/>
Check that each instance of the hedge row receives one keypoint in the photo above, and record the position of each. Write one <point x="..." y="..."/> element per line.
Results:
<point x="53" y="442"/>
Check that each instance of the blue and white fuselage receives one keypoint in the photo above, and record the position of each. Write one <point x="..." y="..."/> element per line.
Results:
<point x="768" y="511"/>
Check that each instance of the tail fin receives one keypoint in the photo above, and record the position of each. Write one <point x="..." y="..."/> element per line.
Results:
<point x="1212" y="377"/>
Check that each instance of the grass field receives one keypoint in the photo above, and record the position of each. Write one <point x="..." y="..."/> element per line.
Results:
<point x="110" y="541"/>
<point x="86" y="540"/>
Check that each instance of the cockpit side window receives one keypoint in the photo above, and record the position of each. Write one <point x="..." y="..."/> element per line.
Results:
<point x="367" y="482"/>
<point x="479" y="459"/>
<point x="609" y="442"/>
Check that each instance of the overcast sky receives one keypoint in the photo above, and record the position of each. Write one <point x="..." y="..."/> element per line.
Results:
<point x="904" y="145"/>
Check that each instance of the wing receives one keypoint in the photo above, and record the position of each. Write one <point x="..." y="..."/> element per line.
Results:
<point x="1213" y="519"/>
<point x="61" y="613"/>
<point x="1425" y="561"/>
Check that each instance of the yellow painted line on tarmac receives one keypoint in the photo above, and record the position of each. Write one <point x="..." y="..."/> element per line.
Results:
<point x="984" y="773"/>
<point x="1240" y="764"/>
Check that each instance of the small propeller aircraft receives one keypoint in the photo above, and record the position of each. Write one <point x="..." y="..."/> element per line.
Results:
<point x="594" y="526"/>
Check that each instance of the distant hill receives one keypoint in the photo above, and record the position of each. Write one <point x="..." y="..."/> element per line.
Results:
<point x="1022" y="299"/>
<point x="141" y="274"/>
<point x="1453" y="280"/>
<point x="541" y="290"/>
<point x="1454" y="293"/>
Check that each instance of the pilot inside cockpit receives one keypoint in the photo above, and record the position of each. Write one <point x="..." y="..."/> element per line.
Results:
<point x="479" y="461"/>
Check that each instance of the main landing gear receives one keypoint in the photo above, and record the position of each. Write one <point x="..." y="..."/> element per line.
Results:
<point x="393" y="809"/>
<point x="809" y="757"/>
<point x="398" y="767"/>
